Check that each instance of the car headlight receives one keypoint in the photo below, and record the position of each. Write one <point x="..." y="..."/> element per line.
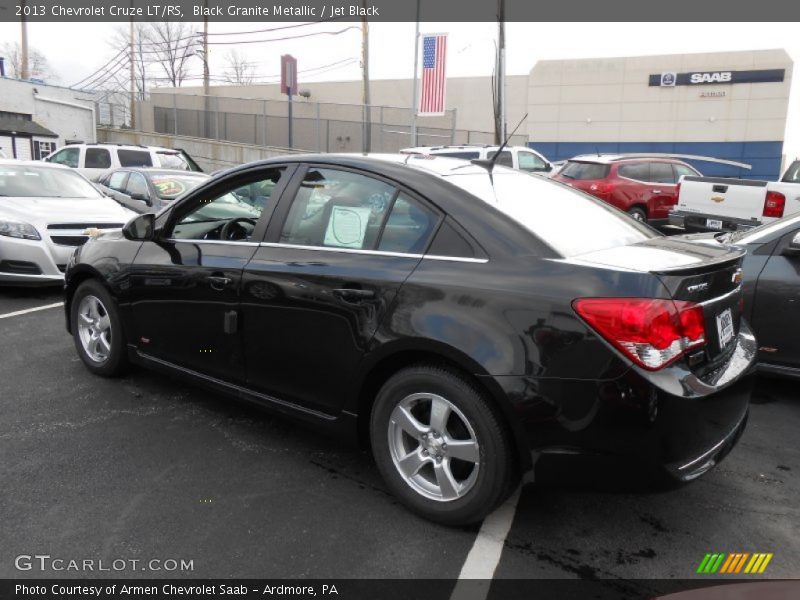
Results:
<point x="18" y="229"/>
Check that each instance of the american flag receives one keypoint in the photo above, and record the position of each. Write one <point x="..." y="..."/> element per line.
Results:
<point x="431" y="100"/>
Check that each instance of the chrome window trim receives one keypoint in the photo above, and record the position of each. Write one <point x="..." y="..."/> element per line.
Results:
<point x="200" y="241"/>
<point x="332" y="249"/>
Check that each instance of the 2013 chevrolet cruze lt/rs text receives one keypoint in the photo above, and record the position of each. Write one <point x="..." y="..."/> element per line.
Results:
<point x="467" y="323"/>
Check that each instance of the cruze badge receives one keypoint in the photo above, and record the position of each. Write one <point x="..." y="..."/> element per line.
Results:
<point x="697" y="287"/>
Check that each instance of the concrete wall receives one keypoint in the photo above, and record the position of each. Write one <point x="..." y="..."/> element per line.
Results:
<point x="211" y="155"/>
<point x="471" y="97"/>
<point x="69" y="122"/>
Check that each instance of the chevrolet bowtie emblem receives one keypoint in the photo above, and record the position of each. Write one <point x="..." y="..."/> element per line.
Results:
<point x="717" y="199"/>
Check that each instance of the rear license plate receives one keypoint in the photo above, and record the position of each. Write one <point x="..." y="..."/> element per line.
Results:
<point x="713" y="224"/>
<point x="725" y="327"/>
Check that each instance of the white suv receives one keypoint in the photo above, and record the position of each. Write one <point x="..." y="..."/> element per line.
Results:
<point x="516" y="157"/>
<point x="95" y="160"/>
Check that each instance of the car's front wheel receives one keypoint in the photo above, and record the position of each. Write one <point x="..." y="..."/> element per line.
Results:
<point x="441" y="445"/>
<point x="97" y="330"/>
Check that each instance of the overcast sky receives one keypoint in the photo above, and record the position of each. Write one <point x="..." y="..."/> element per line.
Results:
<point x="76" y="50"/>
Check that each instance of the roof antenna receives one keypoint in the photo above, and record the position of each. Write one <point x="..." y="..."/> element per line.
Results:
<point x="488" y="163"/>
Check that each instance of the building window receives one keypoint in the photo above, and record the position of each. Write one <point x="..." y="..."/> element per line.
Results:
<point x="42" y="149"/>
<point x="18" y="116"/>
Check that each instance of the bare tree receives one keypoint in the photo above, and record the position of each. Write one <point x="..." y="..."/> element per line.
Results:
<point x="238" y="70"/>
<point x="121" y="42"/>
<point x="37" y="63"/>
<point x="170" y="46"/>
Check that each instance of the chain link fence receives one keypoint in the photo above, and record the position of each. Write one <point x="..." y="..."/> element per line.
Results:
<point x="316" y="126"/>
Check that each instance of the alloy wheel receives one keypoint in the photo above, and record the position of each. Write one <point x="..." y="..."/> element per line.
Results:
<point x="94" y="328"/>
<point x="433" y="447"/>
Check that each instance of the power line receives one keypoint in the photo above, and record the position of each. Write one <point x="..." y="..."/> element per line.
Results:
<point x="274" y="28"/>
<point x="291" y="37"/>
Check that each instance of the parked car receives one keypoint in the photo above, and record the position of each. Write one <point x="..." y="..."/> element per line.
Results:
<point x="451" y="318"/>
<point x="45" y="211"/>
<point x="644" y="187"/>
<point x="95" y="160"/>
<point x="148" y="190"/>
<point x="771" y="289"/>
<point x="727" y="204"/>
<point x="517" y="157"/>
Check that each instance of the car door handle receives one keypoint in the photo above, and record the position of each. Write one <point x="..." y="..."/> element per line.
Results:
<point x="218" y="282"/>
<point x="656" y="191"/>
<point x="353" y="294"/>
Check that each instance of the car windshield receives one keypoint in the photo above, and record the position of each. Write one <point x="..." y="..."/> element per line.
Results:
<point x="169" y="187"/>
<point x="27" y="181"/>
<point x="570" y="222"/>
<point x="584" y="170"/>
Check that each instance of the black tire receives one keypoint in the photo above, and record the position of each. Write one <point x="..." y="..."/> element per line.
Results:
<point x="638" y="214"/>
<point x="116" y="362"/>
<point x="496" y="471"/>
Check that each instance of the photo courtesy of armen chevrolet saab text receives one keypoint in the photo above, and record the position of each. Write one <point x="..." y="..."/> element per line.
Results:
<point x="435" y="310"/>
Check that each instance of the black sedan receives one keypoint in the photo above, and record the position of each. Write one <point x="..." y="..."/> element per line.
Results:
<point x="144" y="190"/>
<point x="771" y="290"/>
<point x="470" y="325"/>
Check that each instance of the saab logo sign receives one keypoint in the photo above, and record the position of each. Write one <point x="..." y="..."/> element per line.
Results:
<point x="721" y="77"/>
<point x="671" y="79"/>
<point x="668" y="79"/>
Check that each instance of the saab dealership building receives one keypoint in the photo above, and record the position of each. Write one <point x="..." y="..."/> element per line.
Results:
<point x="727" y="105"/>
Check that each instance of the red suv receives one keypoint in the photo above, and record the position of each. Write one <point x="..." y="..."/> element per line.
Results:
<point x="645" y="188"/>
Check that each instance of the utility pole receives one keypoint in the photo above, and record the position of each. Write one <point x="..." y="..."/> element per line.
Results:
<point x="367" y="145"/>
<point x="415" y="90"/>
<point x="132" y="59"/>
<point x="24" y="71"/>
<point x="500" y="133"/>
<point x="207" y="76"/>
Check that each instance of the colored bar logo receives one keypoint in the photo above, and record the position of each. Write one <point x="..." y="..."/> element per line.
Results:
<point x="735" y="563"/>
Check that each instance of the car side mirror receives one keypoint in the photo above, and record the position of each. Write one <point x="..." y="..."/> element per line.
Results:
<point x="793" y="249"/>
<point x="141" y="197"/>
<point x="141" y="228"/>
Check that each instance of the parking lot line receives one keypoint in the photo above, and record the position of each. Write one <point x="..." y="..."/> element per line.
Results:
<point x="17" y="313"/>
<point x="484" y="556"/>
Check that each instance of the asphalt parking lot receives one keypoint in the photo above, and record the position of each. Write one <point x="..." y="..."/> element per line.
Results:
<point x="148" y="467"/>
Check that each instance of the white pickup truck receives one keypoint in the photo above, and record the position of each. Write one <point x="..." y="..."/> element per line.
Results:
<point x="727" y="204"/>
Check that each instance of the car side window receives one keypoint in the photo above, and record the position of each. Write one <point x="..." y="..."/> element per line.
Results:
<point x="504" y="159"/>
<point x="408" y="228"/>
<point x="134" y="158"/>
<point x="662" y="173"/>
<point x="116" y="180"/>
<point x="259" y="193"/>
<point x="137" y="185"/>
<point x="636" y="171"/>
<point x="683" y="171"/>
<point x="68" y="156"/>
<point x="97" y="158"/>
<point x="337" y="209"/>
<point x="528" y="161"/>
<point x="226" y="216"/>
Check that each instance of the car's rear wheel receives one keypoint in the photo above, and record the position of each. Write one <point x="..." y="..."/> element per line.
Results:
<point x="97" y="330"/>
<point x="638" y="214"/>
<point x="440" y="445"/>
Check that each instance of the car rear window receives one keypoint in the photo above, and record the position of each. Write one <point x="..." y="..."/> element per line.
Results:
<point x="584" y="170"/>
<point x="169" y="187"/>
<point x="173" y="160"/>
<point x="569" y="221"/>
<point x="134" y="158"/>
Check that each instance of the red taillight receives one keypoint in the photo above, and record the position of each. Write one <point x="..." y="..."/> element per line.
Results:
<point x="652" y="332"/>
<point x="774" y="205"/>
<point x="601" y="189"/>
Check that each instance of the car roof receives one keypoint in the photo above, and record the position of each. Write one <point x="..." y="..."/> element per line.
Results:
<point x="121" y="147"/>
<point x="605" y="159"/>
<point x="13" y="162"/>
<point x="157" y="171"/>
<point x="465" y="147"/>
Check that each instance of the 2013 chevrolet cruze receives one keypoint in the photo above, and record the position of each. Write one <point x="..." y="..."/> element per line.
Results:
<point x="469" y="323"/>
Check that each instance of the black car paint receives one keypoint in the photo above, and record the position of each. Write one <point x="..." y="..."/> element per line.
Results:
<point x="771" y="292"/>
<point x="501" y="314"/>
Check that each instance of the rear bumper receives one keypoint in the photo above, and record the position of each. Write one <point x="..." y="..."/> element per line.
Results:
<point x="698" y="222"/>
<point x="636" y="424"/>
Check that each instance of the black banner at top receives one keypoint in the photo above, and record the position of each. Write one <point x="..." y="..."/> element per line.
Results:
<point x="398" y="10"/>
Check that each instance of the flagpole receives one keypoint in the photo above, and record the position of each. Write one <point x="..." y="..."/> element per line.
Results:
<point x="415" y="91"/>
